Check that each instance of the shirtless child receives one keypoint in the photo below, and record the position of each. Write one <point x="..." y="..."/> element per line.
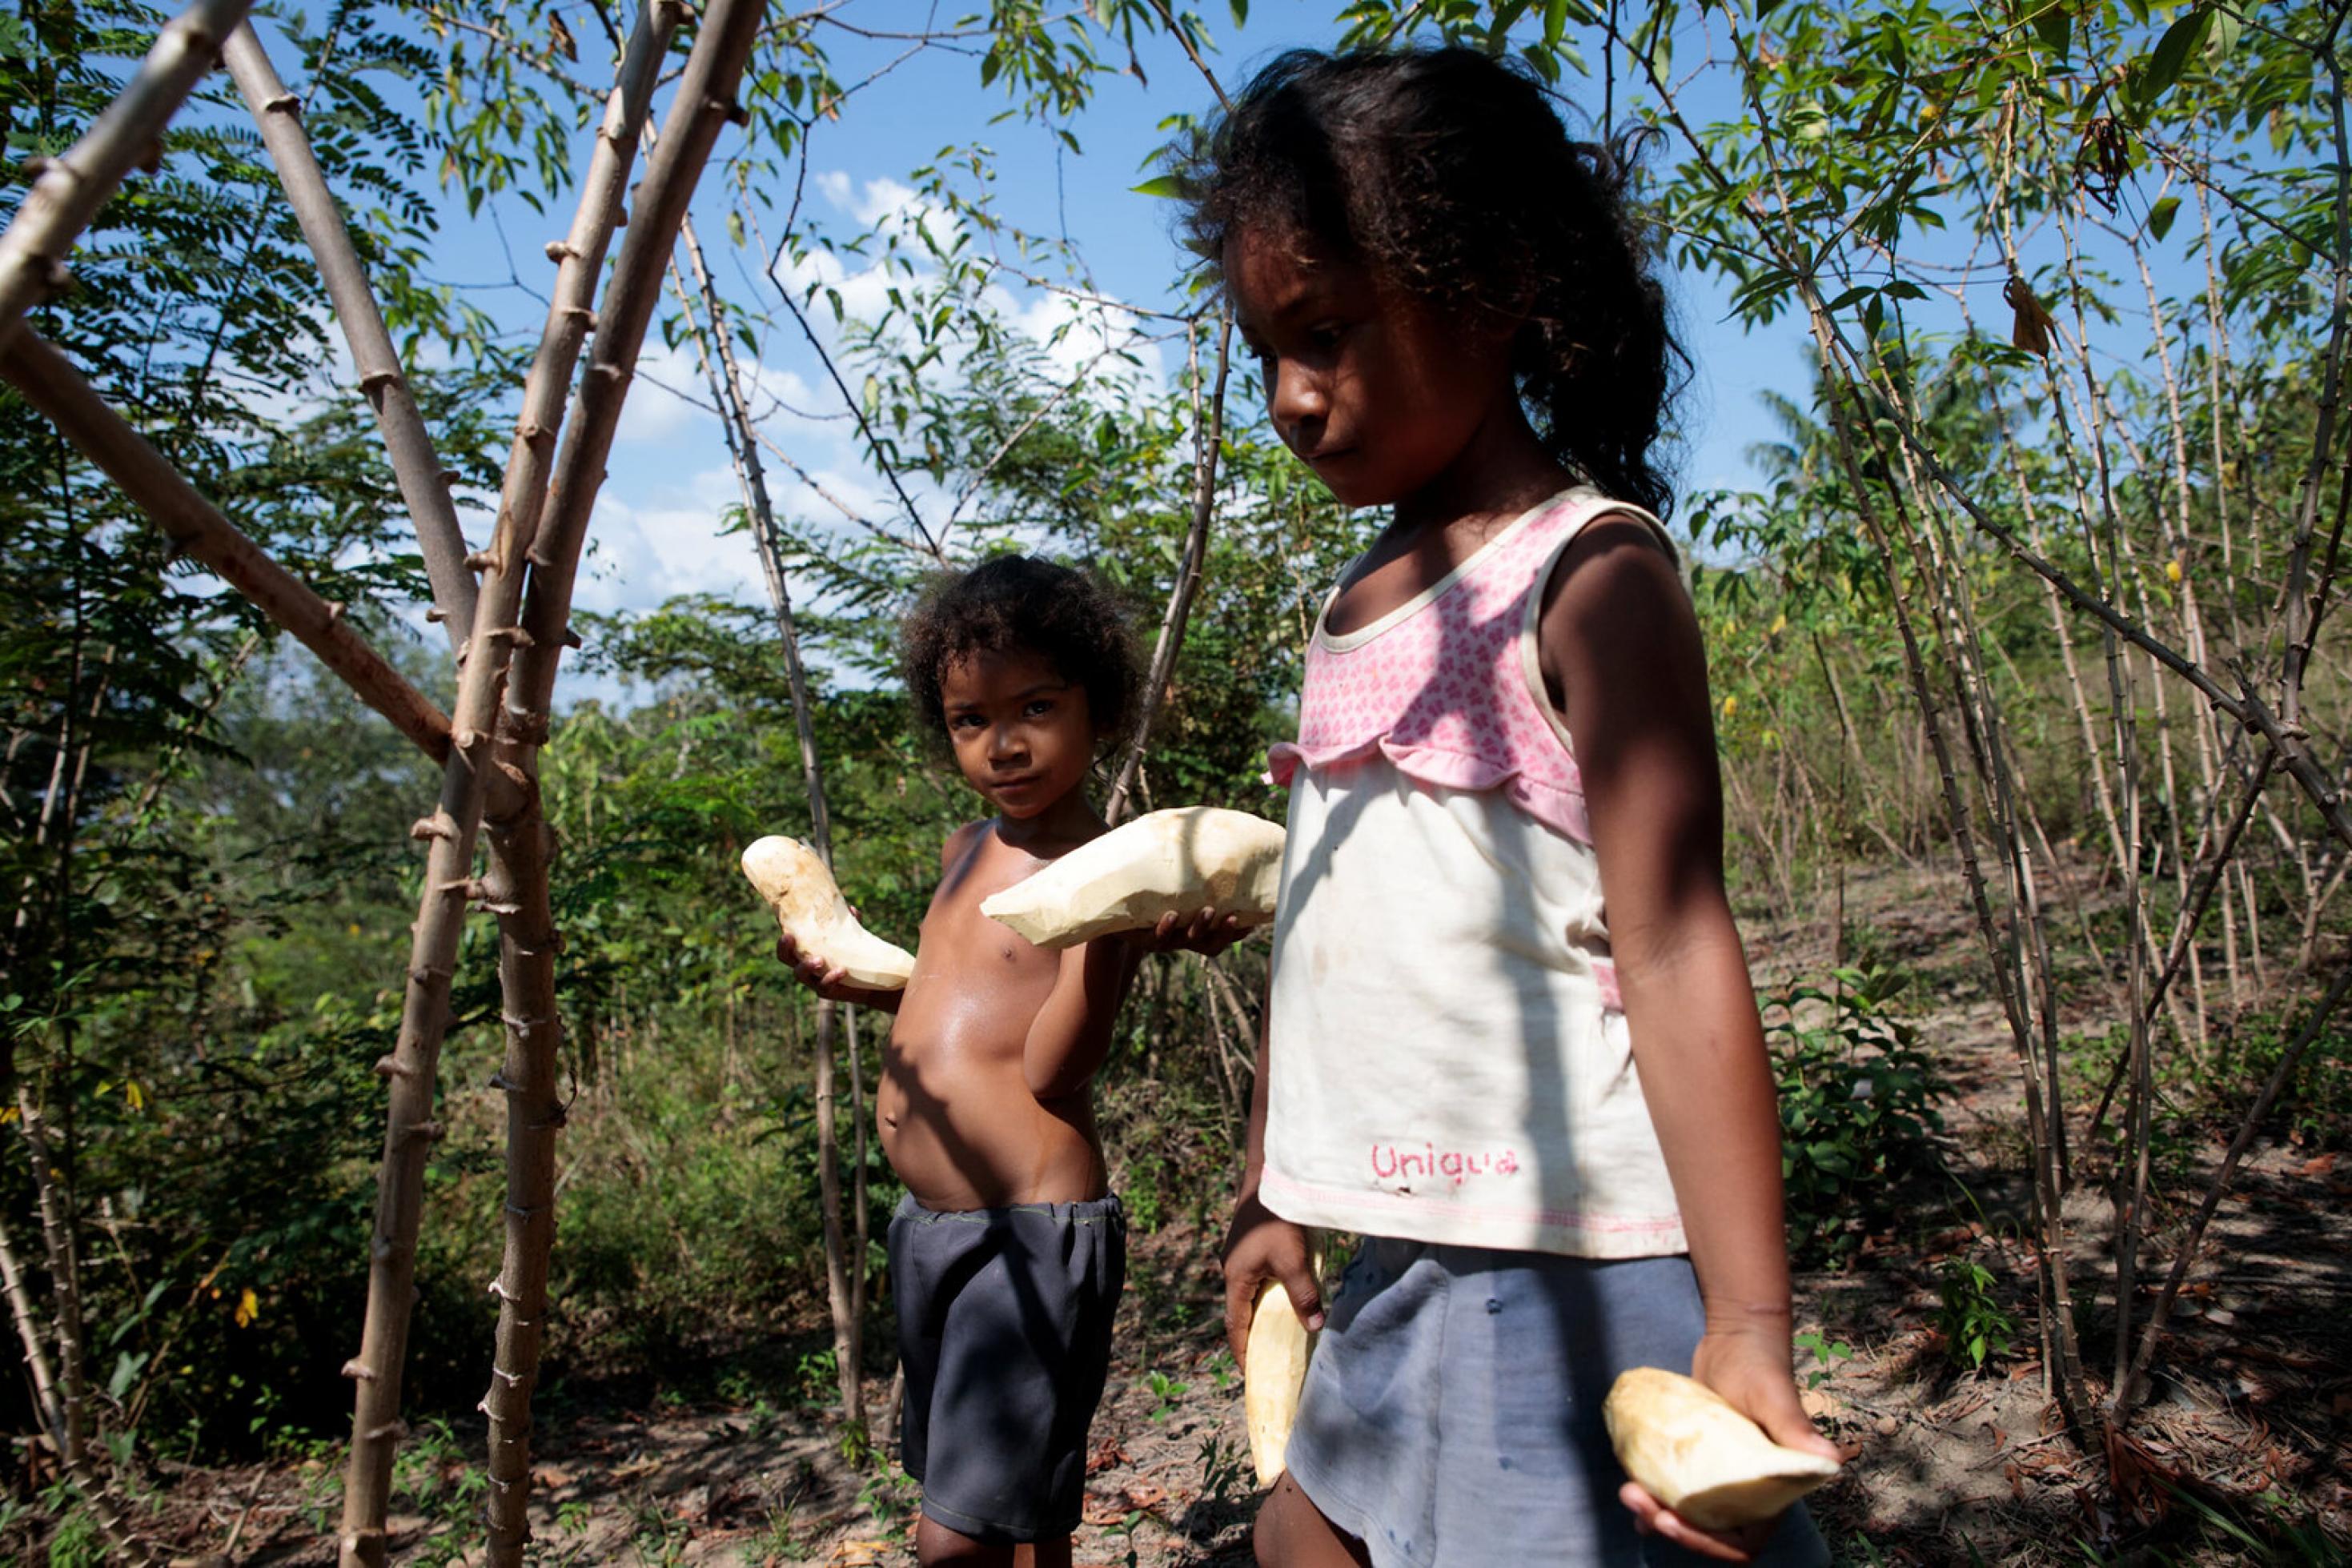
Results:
<point x="1008" y="1254"/>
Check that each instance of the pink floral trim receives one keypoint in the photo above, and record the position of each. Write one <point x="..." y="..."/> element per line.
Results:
<point x="1442" y="690"/>
<point x="1558" y="806"/>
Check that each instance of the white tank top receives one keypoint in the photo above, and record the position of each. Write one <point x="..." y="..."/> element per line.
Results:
<point x="1449" y="1058"/>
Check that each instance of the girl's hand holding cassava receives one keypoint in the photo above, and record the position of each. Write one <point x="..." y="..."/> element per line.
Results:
<point x="1750" y="1369"/>
<point x="831" y="981"/>
<point x="1260" y="1247"/>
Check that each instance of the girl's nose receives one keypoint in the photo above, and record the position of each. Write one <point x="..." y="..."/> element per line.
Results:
<point x="1004" y="743"/>
<point x="1296" y="398"/>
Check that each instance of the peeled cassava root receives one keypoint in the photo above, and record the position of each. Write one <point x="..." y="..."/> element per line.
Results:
<point x="1274" y="1371"/>
<point x="1163" y="862"/>
<point x="810" y="908"/>
<point x="1692" y="1451"/>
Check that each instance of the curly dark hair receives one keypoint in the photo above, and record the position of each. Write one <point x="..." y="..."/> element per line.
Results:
<point x="1448" y="174"/>
<point x="1019" y="601"/>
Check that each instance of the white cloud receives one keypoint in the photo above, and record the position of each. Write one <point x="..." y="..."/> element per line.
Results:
<point x="657" y="409"/>
<point x="1076" y="333"/>
<point x="665" y="542"/>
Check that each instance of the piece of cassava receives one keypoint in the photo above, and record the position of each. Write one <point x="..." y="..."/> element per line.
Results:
<point x="1692" y="1451"/>
<point x="1274" y="1372"/>
<point x="809" y="906"/>
<point x="1176" y="861"/>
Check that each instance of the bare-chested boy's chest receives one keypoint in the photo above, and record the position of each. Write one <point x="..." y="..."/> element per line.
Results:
<point x="976" y="986"/>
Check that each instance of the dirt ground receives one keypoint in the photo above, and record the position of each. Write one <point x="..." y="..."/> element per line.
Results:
<point x="2241" y="1456"/>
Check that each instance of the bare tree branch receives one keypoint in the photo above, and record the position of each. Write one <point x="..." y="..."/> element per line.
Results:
<point x="416" y="465"/>
<point x="68" y="190"/>
<point x="51" y="383"/>
<point x="1185" y="40"/>
<point x="857" y="410"/>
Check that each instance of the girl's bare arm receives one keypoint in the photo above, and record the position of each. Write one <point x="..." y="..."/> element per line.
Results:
<point x="1619" y="641"/>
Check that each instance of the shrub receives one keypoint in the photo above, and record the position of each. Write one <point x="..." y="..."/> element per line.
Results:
<point x="1858" y="1107"/>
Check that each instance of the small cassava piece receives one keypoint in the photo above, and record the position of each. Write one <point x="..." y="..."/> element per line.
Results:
<point x="1273" y="1374"/>
<point x="809" y="906"/>
<point x="1695" y="1453"/>
<point x="1175" y="861"/>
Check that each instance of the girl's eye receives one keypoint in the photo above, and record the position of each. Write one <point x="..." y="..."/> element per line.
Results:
<point x="1328" y="335"/>
<point x="1041" y="707"/>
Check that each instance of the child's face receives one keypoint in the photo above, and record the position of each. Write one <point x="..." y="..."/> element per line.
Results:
<point x="1376" y="393"/>
<point x="1022" y="734"/>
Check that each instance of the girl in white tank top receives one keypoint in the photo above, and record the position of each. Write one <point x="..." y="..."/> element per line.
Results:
<point x="1510" y="1034"/>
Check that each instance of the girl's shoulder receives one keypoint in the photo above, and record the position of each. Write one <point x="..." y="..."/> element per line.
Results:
<point x="1614" y="596"/>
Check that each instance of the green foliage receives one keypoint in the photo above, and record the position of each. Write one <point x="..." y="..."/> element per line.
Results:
<point x="1975" y="1327"/>
<point x="77" y="1541"/>
<point x="1826" y="1353"/>
<point x="1226" y="1475"/>
<point x="1858" y="1108"/>
<point x="1165" y="1391"/>
<point x="2314" y="1108"/>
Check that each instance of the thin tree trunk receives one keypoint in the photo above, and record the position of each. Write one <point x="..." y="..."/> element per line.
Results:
<point x="1207" y="438"/>
<point x="520" y="845"/>
<point x="2065" y="1356"/>
<point x="450" y="831"/>
<point x="47" y="1403"/>
<point x="860" y="1239"/>
<point x="845" y="1290"/>
<point x="2184" y="932"/>
<point x="704" y="105"/>
<point x="59" y="1227"/>
<point x="2127" y="1394"/>
<point x="848" y="1373"/>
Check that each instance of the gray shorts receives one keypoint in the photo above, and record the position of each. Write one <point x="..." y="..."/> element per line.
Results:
<point x="1451" y="1415"/>
<point x="1004" y="1319"/>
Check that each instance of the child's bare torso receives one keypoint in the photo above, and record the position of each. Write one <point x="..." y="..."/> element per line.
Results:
<point x="958" y="1120"/>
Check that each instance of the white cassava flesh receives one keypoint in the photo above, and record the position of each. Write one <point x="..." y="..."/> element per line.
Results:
<point x="1175" y="861"/>
<point x="1274" y="1371"/>
<point x="1692" y="1451"/>
<point x="809" y="906"/>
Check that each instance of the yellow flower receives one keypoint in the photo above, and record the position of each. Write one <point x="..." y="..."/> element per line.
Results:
<point x="249" y="1306"/>
<point x="2172" y="571"/>
<point x="1730" y="706"/>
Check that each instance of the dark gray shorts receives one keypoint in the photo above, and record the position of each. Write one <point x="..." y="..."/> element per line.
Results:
<point x="1451" y="1415"/>
<point x="1004" y="1319"/>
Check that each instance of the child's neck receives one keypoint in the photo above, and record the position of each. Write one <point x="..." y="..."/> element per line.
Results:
<point x="1501" y="471"/>
<point x="1068" y="820"/>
